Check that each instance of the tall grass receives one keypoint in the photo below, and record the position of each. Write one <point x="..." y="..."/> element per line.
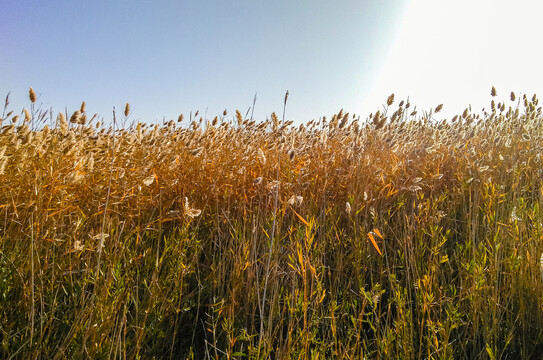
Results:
<point x="395" y="236"/>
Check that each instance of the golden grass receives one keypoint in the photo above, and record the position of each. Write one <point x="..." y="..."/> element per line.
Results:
<point x="394" y="236"/>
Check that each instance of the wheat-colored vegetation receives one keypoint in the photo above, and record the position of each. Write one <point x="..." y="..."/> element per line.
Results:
<point x="396" y="236"/>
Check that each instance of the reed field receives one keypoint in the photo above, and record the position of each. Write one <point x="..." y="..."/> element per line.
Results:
<point x="392" y="236"/>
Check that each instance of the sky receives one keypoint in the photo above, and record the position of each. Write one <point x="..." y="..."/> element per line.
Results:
<point x="453" y="52"/>
<point x="171" y="57"/>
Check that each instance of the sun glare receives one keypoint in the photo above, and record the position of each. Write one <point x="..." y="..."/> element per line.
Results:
<point x="453" y="52"/>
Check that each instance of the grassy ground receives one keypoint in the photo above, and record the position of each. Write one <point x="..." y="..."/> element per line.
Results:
<point x="395" y="236"/>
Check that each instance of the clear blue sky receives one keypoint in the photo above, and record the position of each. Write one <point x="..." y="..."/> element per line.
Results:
<point x="172" y="57"/>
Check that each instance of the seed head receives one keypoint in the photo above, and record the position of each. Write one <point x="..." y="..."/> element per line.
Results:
<point x="344" y="120"/>
<point x="261" y="156"/>
<point x="390" y="100"/>
<point x="376" y="118"/>
<point x="27" y="138"/>
<point x="295" y="200"/>
<point x="190" y="212"/>
<point x="126" y="109"/>
<point x="27" y="115"/>
<point x="493" y="91"/>
<point x="78" y="246"/>
<point x="291" y="154"/>
<point x="196" y="151"/>
<point x="31" y="95"/>
<point x="83" y="119"/>
<point x="62" y="124"/>
<point x="75" y="117"/>
<point x="148" y="180"/>
<point x="239" y="117"/>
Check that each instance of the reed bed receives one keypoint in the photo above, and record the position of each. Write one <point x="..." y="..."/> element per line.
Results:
<point x="393" y="236"/>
